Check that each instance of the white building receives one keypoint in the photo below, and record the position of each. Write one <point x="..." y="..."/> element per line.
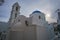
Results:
<point x="51" y="31"/>
<point x="58" y="12"/>
<point x="33" y="27"/>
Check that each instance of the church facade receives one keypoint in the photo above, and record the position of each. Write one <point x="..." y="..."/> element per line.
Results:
<point x="34" y="27"/>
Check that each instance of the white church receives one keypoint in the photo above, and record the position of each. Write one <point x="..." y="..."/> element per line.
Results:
<point x="34" y="27"/>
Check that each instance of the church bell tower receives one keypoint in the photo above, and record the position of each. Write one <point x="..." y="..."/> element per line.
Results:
<point x="15" y="12"/>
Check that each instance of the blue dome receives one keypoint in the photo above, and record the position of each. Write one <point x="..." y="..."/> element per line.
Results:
<point x="36" y="12"/>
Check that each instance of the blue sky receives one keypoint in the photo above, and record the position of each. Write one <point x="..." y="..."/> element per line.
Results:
<point x="28" y="6"/>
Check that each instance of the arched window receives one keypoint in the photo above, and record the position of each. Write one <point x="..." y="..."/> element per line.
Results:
<point x="18" y="20"/>
<point x="16" y="8"/>
<point x="39" y="17"/>
<point x="26" y="22"/>
<point x="15" y="15"/>
<point x="59" y="15"/>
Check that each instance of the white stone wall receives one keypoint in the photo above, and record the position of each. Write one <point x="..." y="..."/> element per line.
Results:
<point x="23" y="33"/>
<point x="30" y="33"/>
<point x="42" y="33"/>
